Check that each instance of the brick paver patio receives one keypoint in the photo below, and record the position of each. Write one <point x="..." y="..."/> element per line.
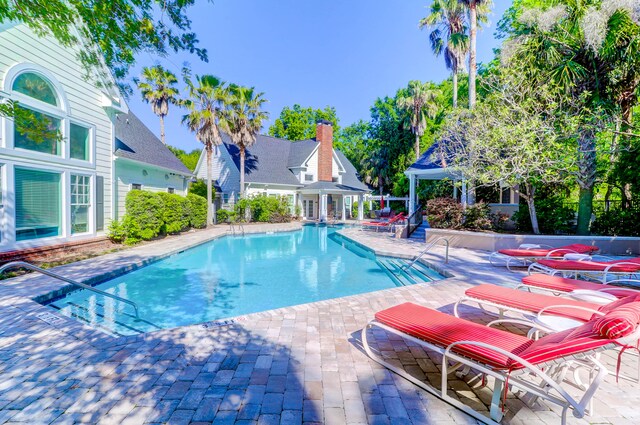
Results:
<point x="300" y="364"/>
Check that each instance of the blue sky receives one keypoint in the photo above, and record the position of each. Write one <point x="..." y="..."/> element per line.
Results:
<point x="316" y="53"/>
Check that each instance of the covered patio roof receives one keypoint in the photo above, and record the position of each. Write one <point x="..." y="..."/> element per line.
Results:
<point x="332" y="187"/>
<point x="432" y="166"/>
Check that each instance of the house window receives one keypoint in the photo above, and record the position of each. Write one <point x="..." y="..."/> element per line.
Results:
<point x="80" y="203"/>
<point x="48" y="143"/>
<point x="225" y="198"/>
<point x="308" y="177"/>
<point x="505" y="195"/>
<point x="38" y="206"/>
<point x="36" y="87"/>
<point x="335" y="179"/>
<point x="171" y="190"/>
<point x="290" y="201"/>
<point x="136" y="186"/>
<point x="79" y="139"/>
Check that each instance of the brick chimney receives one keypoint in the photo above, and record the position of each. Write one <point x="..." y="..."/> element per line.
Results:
<point x="324" y="136"/>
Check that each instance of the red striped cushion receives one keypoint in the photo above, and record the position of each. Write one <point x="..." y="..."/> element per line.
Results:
<point x="619" y="322"/>
<point x="528" y="301"/>
<point x="593" y="266"/>
<point x="561" y="344"/>
<point x="619" y="303"/>
<point x="556" y="252"/>
<point x="560" y="284"/>
<point x="442" y="330"/>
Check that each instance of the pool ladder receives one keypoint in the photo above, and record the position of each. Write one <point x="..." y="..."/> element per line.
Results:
<point x="427" y="249"/>
<point x="233" y="227"/>
<point x="25" y="265"/>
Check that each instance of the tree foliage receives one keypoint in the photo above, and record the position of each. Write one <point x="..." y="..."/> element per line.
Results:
<point x="112" y="32"/>
<point x="190" y="159"/>
<point x="299" y="123"/>
<point x="158" y="88"/>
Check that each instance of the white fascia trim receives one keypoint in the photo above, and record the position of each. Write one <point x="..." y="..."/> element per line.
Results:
<point x="146" y="164"/>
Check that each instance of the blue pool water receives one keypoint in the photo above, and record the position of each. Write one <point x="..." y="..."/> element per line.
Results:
<point x="232" y="276"/>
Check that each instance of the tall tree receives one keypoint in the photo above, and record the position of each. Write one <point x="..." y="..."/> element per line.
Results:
<point x="158" y="88"/>
<point x="475" y="9"/>
<point x="375" y="167"/>
<point x="109" y="31"/>
<point x="591" y="50"/>
<point x="448" y="36"/>
<point x="207" y="97"/>
<point x="243" y="119"/>
<point x="418" y="105"/>
<point x="298" y="123"/>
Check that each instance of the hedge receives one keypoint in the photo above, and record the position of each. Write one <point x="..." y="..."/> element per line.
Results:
<point x="263" y="208"/>
<point x="151" y="214"/>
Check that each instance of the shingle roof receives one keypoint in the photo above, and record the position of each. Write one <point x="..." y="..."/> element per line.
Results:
<point x="135" y="141"/>
<point x="269" y="161"/>
<point x="430" y="160"/>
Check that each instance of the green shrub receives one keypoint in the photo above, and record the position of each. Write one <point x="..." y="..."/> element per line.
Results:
<point x="444" y="213"/>
<point x="199" y="187"/>
<point x="144" y="216"/>
<point x="478" y="217"/>
<point x="617" y="222"/>
<point x="553" y="216"/>
<point x="224" y="216"/>
<point x="175" y="213"/>
<point x="117" y="232"/>
<point x="197" y="206"/>
<point x="354" y="209"/>
<point x="265" y="209"/>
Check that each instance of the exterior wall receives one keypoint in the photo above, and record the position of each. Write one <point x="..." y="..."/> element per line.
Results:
<point x="22" y="49"/>
<point x="155" y="180"/>
<point x="616" y="245"/>
<point x="312" y="168"/>
<point x="223" y="170"/>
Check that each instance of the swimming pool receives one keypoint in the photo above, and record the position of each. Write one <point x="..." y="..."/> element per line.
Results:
<point x="236" y="275"/>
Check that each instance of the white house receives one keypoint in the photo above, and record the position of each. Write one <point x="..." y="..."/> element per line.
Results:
<point x="69" y="189"/>
<point x="313" y="175"/>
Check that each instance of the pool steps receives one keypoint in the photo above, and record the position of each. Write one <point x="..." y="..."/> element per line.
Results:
<point x="403" y="275"/>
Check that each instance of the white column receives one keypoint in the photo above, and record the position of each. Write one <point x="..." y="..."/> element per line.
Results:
<point x="463" y="198"/>
<point x="412" y="193"/>
<point x="455" y="191"/>
<point x="323" y="207"/>
<point x="344" y="208"/>
<point x="360" y="207"/>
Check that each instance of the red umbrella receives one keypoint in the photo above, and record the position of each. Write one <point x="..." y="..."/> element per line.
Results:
<point x="381" y="202"/>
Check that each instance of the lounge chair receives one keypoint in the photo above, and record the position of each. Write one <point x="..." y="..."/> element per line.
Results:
<point x="525" y="254"/>
<point x="386" y="225"/>
<point x="558" y="285"/>
<point x="513" y="360"/>
<point x="597" y="270"/>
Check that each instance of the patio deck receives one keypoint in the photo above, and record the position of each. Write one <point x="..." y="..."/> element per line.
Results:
<point x="300" y="364"/>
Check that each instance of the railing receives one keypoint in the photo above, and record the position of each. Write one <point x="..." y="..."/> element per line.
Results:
<point x="414" y="220"/>
<point x="427" y="249"/>
<point x="24" y="265"/>
<point x="233" y="226"/>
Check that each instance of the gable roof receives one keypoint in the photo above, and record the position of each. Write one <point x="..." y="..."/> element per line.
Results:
<point x="136" y="142"/>
<point x="270" y="159"/>
<point x="431" y="159"/>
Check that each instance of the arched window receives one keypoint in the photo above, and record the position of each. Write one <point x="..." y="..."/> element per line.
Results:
<point x="37" y="87"/>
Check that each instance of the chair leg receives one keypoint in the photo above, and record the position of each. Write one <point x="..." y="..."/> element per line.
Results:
<point x="496" y="410"/>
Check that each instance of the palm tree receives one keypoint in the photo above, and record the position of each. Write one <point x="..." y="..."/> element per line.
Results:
<point x="207" y="97"/>
<point x="158" y="89"/>
<point x="419" y="104"/>
<point x="448" y="35"/>
<point x="477" y="11"/>
<point x="243" y="119"/>
<point x="375" y="168"/>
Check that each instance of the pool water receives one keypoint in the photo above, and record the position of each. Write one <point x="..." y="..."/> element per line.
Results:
<point x="232" y="276"/>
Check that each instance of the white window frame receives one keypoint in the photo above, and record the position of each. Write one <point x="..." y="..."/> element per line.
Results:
<point x="91" y="205"/>
<point x="135" y="184"/>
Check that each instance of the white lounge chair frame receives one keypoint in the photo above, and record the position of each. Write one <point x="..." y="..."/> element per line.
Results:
<point x="497" y="259"/>
<point x="550" y="374"/>
<point x="600" y="276"/>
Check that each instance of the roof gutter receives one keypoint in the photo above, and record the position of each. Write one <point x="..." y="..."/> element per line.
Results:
<point x="182" y="173"/>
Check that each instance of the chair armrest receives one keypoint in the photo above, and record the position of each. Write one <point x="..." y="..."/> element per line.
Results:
<point x="623" y="263"/>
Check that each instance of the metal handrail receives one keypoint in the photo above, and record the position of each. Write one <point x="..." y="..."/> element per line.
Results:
<point x="24" y="265"/>
<point x="424" y="251"/>
<point x="412" y="222"/>
<point x="233" y="228"/>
